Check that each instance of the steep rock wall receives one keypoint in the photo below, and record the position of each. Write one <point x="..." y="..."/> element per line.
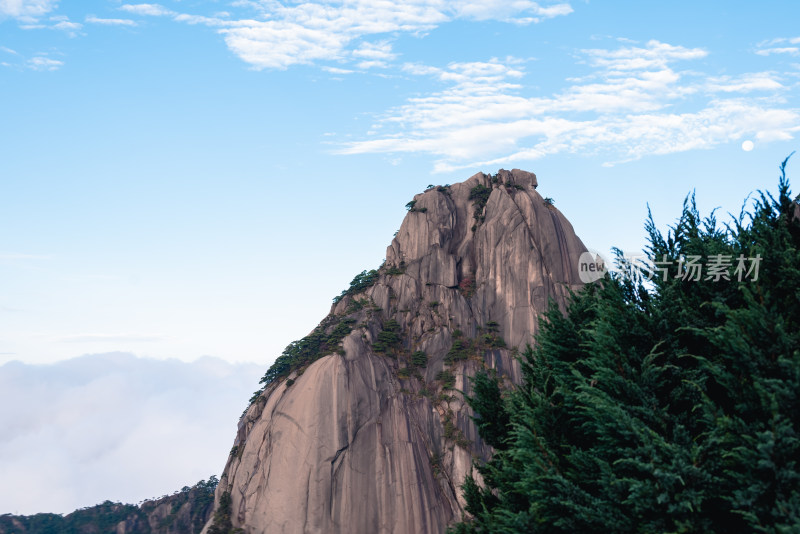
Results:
<point x="363" y="441"/>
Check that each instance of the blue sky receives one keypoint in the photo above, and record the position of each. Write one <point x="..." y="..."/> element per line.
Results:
<point x="200" y="178"/>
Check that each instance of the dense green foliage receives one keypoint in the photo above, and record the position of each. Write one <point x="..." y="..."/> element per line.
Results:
<point x="447" y="379"/>
<point x="479" y="196"/>
<point x="459" y="350"/>
<point x="323" y="340"/>
<point x="105" y="518"/>
<point x="463" y="347"/>
<point x="360" y="282"/>
<point x="419" y="359"/>
<point x="102" y="518"/>
<point x="392" y="270"/>
<point x="222" y="523"/>
<point x="664" y="406"/>
<point x="487" y="399"/>
<point x="388" y="337"/>
<point x="200" y="498"/>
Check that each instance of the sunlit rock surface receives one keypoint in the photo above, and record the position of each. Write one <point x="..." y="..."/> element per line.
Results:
<point x="363" y="443"/>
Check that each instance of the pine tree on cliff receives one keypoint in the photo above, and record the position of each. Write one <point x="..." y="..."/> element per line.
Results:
<point x="674" y="408"/>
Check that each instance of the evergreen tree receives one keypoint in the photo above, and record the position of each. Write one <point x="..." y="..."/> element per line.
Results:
<point x="668" y="405"/>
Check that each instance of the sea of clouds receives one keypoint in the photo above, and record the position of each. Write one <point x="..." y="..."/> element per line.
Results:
<point x="114" y="427"/>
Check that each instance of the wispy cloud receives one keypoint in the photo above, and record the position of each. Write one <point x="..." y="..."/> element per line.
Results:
<point x="519" y="12"/>
<point x="42" y="63"/>
<point x="634" y="103"/>
<point x="781" y="45"/>
<point x="153" y="10"/>
<point x="791" y="50"/>
<point x="757" y="81"/>
<point x="27" y="11"/>
<point x="63" y="23"/>
<point x="91" y="19"/>
<point x="284" y="34"/>
<point x="31" y="16"/>
<point x="371" y="55"/>
<point x="337" y="70"/>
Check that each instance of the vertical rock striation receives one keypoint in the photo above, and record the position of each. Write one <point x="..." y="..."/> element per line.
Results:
<point x="368" y="437"/>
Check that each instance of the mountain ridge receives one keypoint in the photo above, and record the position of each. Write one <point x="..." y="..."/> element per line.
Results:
<point x="184" y="512"/>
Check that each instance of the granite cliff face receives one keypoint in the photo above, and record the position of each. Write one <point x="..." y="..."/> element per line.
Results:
<point x="373" y="436"/>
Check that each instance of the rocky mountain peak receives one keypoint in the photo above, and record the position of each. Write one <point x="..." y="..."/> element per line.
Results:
<point x="361" y="426"/>
<point x="496" y="233"/>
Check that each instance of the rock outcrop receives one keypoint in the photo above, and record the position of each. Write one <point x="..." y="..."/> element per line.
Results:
<point x="371" y="434"/>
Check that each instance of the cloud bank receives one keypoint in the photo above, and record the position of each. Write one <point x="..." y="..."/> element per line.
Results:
<point x="635" y="102"/>
<point x="114" y="426"/>
<point x="281" y="34"/>
<point x="637" y="99"/>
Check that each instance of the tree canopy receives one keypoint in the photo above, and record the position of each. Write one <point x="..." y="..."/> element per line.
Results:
<point x="663" y="405"/>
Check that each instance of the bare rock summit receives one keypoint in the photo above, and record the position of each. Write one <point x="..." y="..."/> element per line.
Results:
<point x="361" y="427"/>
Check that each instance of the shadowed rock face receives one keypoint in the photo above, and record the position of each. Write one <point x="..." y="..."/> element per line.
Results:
<point x="364" y="442"/>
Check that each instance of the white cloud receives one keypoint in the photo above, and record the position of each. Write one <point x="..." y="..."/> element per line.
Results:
<point x="114" y="426"/>
<point x="634" y="103"/>
<point x="309" y="32"/>
<point x="337" y="70"/>
<point x="29" y="14"/>
<point x="757" y="81"/>
<point x="371" y="64"/>
<point x="199" y="19"/>
<point x="9" y="50"/>
<point x="767" y="48"/>
<point x="655" y="55"/>
<point x="517" y="11"/>
<point x="780" y="40"/>
<point x="70" y="28"/>
<point x="91" y="19"/>
<point x="791" y="50"/>
<point x="381" y="51"/>
<point x="277" y="44"/>
<point x="286" y="33"/>
<point x="26" y="10"/>
<point x="42" y="63"/>
<point x="154" y="10"/>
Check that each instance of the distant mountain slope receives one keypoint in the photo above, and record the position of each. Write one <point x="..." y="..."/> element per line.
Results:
<point x="184" y="512"/>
